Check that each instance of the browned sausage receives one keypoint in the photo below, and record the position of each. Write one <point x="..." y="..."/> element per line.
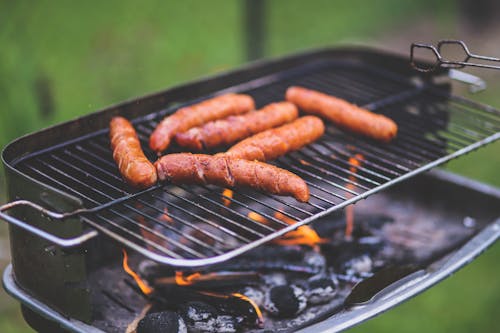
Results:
<point x="196" y="115"/>
<point x="343" y="113"/>
<point x="186" y="168"/>
<point x="234" y="128"/>
<point x="273" y="143"/>
<point x="137" y="170"/>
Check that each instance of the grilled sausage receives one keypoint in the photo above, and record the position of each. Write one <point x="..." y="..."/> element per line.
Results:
<point x="273" y="143"/>
<point x="343" y="113"/>
<point x="135" y="168"/>
<point x="234" y="128"/>
<point x="187" y="168"/>
<point x="196" y="115"/>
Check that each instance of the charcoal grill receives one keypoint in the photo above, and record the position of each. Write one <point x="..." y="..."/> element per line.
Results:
<point x="69" y="181"/>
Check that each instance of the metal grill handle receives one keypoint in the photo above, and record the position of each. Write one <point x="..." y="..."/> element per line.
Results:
<point x="63" y="242"/>
<point x="444" y="63"/>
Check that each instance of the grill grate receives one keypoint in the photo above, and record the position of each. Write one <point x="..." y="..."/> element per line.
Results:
<point x="198" y="225"/>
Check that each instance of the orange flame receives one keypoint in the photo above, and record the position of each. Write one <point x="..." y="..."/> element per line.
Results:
<point x="165" y="216"/>
<point x="257" y="217"/>
<point x="182" y="280"/>
<point x="303" y="235"/>
<point x="355" y="163"/>
<point x="254" y="305"/>
<point x="304" y="162"/>
<point x="145" y="288"/>
<point x="229" y="194"/>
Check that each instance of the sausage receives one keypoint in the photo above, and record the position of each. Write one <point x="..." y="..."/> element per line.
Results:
<point x="343" y="113"/>
<point x="135" y="168"/>
<point x="196" y="115"/>
<point x="273" y="143"/>
<point x="234" y="128"/>
<point x="187" y="168"/>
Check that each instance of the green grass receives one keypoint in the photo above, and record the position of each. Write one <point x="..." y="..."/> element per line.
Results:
<point x="91" y="54"/>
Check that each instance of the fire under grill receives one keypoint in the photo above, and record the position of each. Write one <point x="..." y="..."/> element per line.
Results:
<point x="197" y="247"/>
<point x="199" y="225"/>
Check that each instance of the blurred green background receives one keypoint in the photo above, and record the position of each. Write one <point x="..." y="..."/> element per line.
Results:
<point x="62" y="59"/>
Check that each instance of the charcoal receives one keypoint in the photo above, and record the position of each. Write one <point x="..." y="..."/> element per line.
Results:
<point x="149" y="270"/>
<point x="255" y="294"/>
<point x="275" y="279"/>
<point x="197" y="311"/>
<point x="321" y="289"/>
<point x="202" y="317"/>
<point x="167" y="321"/>
<point x="223" y="303"/>
<point x="285" y="301"/>
<point x="315" y="259"/>
<point x="341" y="252"/>
<point x="358" y="265"/>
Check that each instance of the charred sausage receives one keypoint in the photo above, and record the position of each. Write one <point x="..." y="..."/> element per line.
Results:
<point x="343" y="113"/>
<point x="135" y="168"/>
<point x="187" y="168"/>
<point x="273" y="143"/>
<point x="196" y="115"/>
<point x="234" y="128"/>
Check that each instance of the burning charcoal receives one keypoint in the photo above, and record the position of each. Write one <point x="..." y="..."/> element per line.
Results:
<point x="339" y="253"/>
<point x="228" y="304"/>
<point x="268" y="258"/>
<point x="275" y="279"/>
<point x="254" y="294"/>
<point x="202" y="317"/>
<point x="149" y="270"/>
<point x="166" y="321"/>
<point x="226" y="324"/>
<point x="315" y="259"/>
<point x="285" y="301"/>
<point x="321" y="289"/>
<point x="359" y="265"/>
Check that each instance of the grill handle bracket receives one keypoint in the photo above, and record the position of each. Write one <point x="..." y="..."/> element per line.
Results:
<point x="63" y="242"/>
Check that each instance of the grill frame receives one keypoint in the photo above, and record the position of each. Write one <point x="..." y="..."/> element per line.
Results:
<point x="12" y="153"/>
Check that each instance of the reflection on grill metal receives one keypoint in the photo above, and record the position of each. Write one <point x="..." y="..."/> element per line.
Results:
<point x="206" y="227"/>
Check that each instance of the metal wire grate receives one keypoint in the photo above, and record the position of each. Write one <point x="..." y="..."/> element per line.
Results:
<point x="199" y="225"/>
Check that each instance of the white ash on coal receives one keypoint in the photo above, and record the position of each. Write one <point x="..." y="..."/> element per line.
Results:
<point x="255" y="294"/>
<point x="321" y="289"/>
<point x="359" y="265"/>
<point x="285" y="301"/>
<point x="166" y="321"/>
<point x="202" y="317"/>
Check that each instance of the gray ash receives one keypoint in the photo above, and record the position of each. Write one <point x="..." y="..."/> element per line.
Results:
<point x="285" y="301"/>
<point x="166" y="321"/>
<point x="202" y="317"/>
<point x="321" y="289"/>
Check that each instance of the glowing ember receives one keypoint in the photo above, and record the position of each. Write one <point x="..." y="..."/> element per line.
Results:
<point x="257" y="217"/>
<point x="229" y="194"/>
<point x="355" y="162"/>
<point x="303" y="235"/>
<point x="254" y="305"/>
<point x="166" y="217"/>
<point x="304" y="162"/>
<point x="145" y="288"/>
<point x="182" y="280"/>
